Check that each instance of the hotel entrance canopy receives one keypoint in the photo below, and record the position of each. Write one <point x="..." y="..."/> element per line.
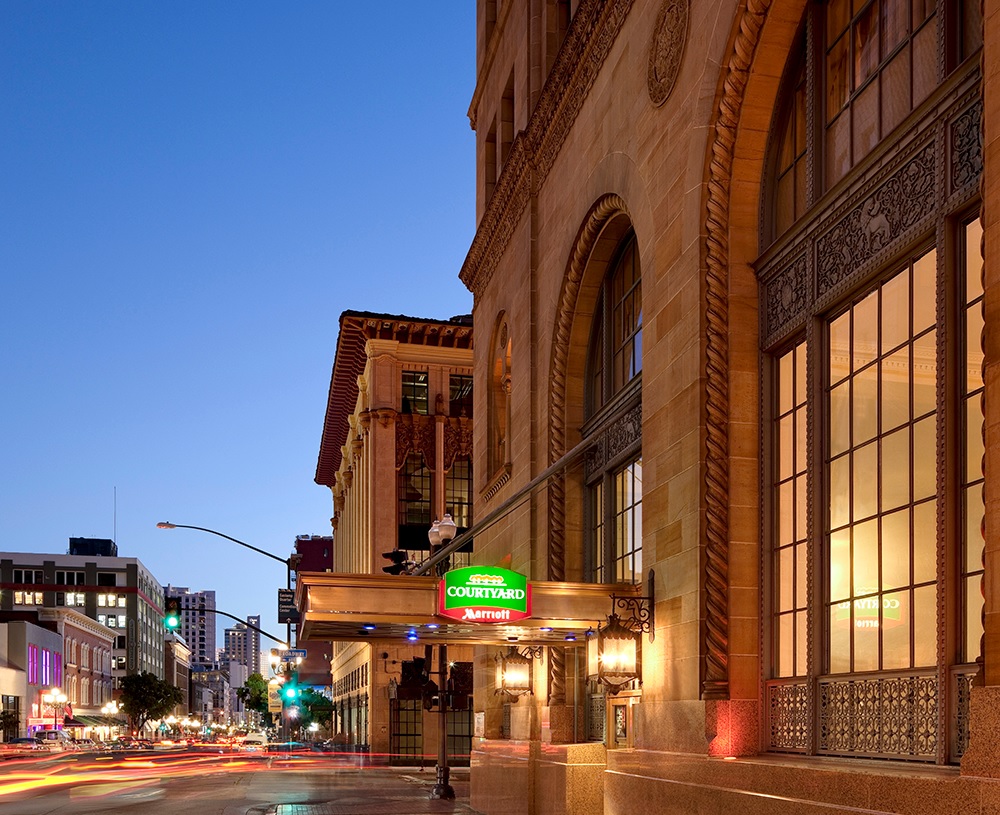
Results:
<point x="384" y="608"/>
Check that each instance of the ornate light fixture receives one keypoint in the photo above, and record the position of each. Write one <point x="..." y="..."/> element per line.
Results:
<point x="614" y="653"/>
<point x="440" y="534"/>
<point x="514" y="672"/>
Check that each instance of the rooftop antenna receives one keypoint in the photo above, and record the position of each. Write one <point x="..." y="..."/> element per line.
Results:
<point x="114" y="533"/>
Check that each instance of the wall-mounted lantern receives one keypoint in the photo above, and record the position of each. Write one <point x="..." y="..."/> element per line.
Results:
<point x="514" y="672"/>
<point x="614" y="652"/>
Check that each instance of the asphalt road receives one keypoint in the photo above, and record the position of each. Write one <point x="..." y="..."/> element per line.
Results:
<point x="219" y="784"/>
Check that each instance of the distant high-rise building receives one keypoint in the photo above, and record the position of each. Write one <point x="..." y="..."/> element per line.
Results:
<point x="197" y="621"/>
<point x="243" y="645"/>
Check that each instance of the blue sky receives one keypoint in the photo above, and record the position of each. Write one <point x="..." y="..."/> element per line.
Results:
<point x="190" y="195"/>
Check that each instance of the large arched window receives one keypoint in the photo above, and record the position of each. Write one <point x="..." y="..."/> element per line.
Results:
<point x="614" y="469"/>
<point x="499" y="390"/>
<point x="871" y="302"/>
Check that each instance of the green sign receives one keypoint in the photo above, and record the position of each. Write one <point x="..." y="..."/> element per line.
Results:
<point x="484" y="594"/>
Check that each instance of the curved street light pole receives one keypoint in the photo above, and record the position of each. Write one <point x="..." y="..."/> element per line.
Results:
<point x="286" y="561"/>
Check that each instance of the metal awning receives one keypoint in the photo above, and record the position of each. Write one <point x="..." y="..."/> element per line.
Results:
<point x="384" y="608"/>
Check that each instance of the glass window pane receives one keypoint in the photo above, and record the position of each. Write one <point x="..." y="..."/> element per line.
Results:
<point x="840" y="348"/>
<point x="786" y="513"/>
<point x="801" y="437"/>
<point x="895" y="98"/>
<point x="865" y="119"/>
<point x="866" y="651"/>
<point x="865" y="331"/>
<point x="840" y="565"/>
<point x="896" y="469"/>
<point x="786" y="449"/>
<point x="925" y="374"/>
<point x="924" y="291"/>
<point x="895" y="312"/>
<point x="840" y="638"/>
<point x="865" y="559"/>
<point x="865" y="405"/>
<point x="785" y="383"/>
<point x="801" y="576"/>
<point x="838" y="15"/>
<point x="786" y="641"/>
<point x="865" y="481"/>
<point x="866" y="44"/>
<point x="924" y="542"/>
<point x="974" y="439"/>
<point x="840" y="418"/>
<point x="895" y="630"/>
<point x="800" y="374"/>
<point x="973" y="260"/>
<point x="895" y="14"/>
<point x="895" y="389"/>
<point x="786" y="577"/>
<point x="840" y="492"/>
<point x="896" y="550"/>
<point x="801" y="504"/>
<point x="974" y="346"/>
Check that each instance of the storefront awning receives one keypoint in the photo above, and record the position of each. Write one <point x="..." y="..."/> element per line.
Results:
<point x="387" y="608"/>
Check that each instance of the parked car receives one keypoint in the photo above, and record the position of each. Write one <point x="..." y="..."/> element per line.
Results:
<point x="252" y="743"/>
<point x="18" y="747"/>
<point x="86" y="745"/>
<point x="55" y="741"/>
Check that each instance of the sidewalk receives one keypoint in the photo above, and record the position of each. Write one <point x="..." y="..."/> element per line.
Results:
<point x="396" y="791"/>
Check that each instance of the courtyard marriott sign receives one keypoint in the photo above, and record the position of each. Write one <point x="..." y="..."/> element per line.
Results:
<point x="484" y="594"/>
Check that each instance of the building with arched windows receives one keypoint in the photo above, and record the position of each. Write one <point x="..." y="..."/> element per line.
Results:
<point x="736" y="251"/>
<point x="733" y="273"/>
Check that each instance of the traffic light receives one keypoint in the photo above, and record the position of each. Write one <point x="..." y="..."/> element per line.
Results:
<point x="172" y="613"/>
<point x="460" y="686"/>
<point x="400" y="563"/>
<point x="290" y="692"/>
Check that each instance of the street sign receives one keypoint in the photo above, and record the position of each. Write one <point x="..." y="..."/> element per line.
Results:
<point x="287" y="612"/>
<point x="288" y="654"/>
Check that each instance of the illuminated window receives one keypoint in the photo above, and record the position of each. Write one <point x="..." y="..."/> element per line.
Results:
<point x="415" y="392"/>
<point x="458" y="492"/>
<point x="614" y="484"/>
<point x="500" y="385"/>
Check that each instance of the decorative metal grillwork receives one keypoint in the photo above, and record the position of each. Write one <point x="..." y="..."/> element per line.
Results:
<point x="962" y="678"/>
<point x="597" y="720"/>
<point x="882" y="716"/>
<point x="505" y="721"/>
<point x="788" y="716"/>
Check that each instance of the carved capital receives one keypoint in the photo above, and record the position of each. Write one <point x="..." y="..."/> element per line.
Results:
<point x="385" y="416"/>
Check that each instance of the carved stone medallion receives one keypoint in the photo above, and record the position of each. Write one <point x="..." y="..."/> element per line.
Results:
<point x="666" y="49"/>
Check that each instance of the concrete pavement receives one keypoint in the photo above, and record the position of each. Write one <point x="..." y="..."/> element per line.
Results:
<point x="397" y="791"/>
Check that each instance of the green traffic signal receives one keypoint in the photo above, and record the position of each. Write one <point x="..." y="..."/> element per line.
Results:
<point x="291" y="692"/>
<point x="172" y="613"/>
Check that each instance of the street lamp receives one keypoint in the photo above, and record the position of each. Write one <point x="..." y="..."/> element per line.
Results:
<point x="287" y="561"/>
<point x="441" y="533"/>
<point x="52" y="698"/>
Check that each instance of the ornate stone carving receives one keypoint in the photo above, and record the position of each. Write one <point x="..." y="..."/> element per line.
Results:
<point x="415" y="433"/>
<point x="883" y="216"/>
<point x="787" y="294"/>
<point x="457" y="440"/>
<point x="595" y="27"/>
<point x="967" y="147"/>
<point x="716" y="673"/>
<point x="619" y="436"/>
<point x="666" y="49"/>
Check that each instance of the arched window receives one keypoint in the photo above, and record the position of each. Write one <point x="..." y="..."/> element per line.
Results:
<point x="872" y="314"/>
<point x="499" y="396"/>
<point x="614" y="471"/>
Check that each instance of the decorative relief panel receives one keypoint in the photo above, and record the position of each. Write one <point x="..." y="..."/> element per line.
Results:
<point x="967" y="148"/>
<point x="885" y="716"/>
<point x="788" y="717"/>
<point x="622" y="434"/>
<point x="901" y="202"/>
<point x="666" y="49"/>
<point x="787" y="294"/>
<point x="457" y="440"/>
<point x="414" y="433"/>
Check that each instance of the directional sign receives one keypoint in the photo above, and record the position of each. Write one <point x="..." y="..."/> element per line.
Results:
<point x="287" y="612"/>
<point x="289" y="654"/>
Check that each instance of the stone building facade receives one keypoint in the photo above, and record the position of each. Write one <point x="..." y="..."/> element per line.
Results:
<point x="396" y="454"/>
<point x="734" y="253"/>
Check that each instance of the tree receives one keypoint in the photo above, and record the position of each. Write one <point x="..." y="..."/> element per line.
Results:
<point x="145" y="697"/>
<point x="253" y="694"/>
<point x="315" y="707"/>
